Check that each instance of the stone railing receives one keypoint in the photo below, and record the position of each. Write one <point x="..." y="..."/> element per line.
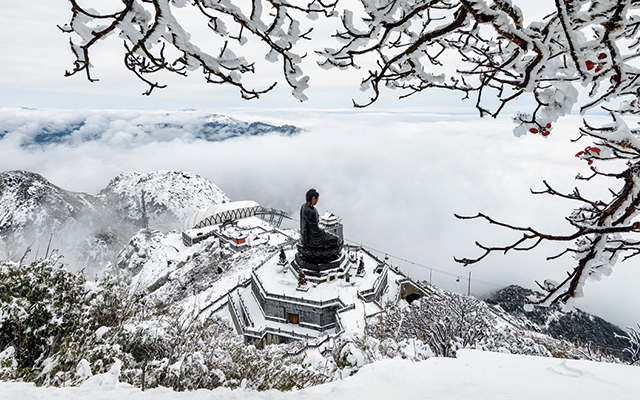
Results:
<point x="372" y="293"/>
<point x="243" y="308"/>
<point x="235" y="316"/>
<point x="259" y="334"/>
<point x="220" y="299"/>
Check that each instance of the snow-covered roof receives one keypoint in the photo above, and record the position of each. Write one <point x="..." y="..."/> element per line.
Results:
<point x="330" y="219"/>
<point x="220" y="213"/>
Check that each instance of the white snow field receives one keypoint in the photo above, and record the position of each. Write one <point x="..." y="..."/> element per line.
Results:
<point x="473" y="374"/>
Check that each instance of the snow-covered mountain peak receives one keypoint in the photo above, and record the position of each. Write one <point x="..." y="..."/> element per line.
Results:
<point x="223" y="119"/>
<point x="161" y="199"/>
<point x="28" y="199"/>
<point x="91" y="230"/>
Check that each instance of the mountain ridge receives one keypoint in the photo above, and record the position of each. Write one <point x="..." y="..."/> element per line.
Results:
<point x="41" y="128"/>
<point x="575" y="325"/>
<point x="93" y="228"/>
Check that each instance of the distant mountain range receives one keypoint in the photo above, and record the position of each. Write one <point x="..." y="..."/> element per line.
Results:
<point x="38" y="128"/>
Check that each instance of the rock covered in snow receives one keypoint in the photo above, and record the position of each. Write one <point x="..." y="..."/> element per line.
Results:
<point x="108" y="380"/>
<point x="147" y="248"/>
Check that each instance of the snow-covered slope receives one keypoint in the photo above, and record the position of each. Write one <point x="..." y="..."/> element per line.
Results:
<point x="197" y="279"/>
<point x="133" y="218"/>
<point x="472" y="375"/>
<point x="33" y="210"/>
<point x="28" y="199"/>
<point x="160" y="266"/>
<point x="191" y="283"/>
<point x="575" y="325"/>
<point x="176" y="286"/>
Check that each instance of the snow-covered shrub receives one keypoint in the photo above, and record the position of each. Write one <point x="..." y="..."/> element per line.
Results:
<point x="56" y="329"/>
<point x="633" y="350"/>
<point x="40" y="305"/>
<point x="355" y="351"/>
<point x="447" y="322"/>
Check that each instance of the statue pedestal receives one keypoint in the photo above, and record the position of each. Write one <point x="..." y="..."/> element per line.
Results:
<point x="319" y="256"/>
<point x="318" y="273"/>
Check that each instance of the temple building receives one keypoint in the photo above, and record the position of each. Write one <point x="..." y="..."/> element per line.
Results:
<point x="288" y="297"/>
<point x="332" y="223"/>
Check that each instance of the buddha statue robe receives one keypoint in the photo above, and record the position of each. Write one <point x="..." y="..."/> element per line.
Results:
<point x="312" y="236"/>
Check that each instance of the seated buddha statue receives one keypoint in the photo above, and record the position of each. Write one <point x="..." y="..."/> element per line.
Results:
<point x="316" y="245"/>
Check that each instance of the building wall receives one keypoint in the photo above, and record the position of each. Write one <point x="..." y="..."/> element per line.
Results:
<point x="323" y="317"/>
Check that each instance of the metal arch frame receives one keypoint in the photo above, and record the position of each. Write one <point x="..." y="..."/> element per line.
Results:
<point x="228" y="215"/>
<point x="271" y="215"/>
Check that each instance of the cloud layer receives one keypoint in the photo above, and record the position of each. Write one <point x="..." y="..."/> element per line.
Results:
<point x="125" y="129"/>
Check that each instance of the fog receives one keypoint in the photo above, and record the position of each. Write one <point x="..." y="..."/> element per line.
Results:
<point x="396" y="178"/>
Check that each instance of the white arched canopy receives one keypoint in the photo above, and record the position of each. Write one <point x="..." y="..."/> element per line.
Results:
<point x="220" y="213"/>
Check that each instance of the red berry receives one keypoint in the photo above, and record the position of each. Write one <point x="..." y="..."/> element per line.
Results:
<point x="613" y="79"/>
<point x="545" y="133"/>
<point x="601" y="56"/>
<point x="578" y="154"/>
<point x="590" y="162"/>
<point x="549" y="125"/>
<point x="533" y="130"/>
<point x="594" y="149"/>
<point x="598" y="68"/>
<point x="590" y="64"/>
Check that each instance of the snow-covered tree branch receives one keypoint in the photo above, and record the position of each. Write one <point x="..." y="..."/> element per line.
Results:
<point x="155" y="39"/>
<point x="480" y="48"/>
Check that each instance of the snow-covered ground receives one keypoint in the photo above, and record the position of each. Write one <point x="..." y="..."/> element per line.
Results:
<point x="474" y="374"/>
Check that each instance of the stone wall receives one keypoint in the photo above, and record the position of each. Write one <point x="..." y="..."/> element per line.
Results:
<point x="310" y="316"/>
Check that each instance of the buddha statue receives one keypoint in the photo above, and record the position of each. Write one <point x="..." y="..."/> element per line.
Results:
<point x="316" y="245"/>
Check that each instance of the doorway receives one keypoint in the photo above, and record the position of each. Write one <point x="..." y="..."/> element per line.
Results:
<point x="293" y="318"/>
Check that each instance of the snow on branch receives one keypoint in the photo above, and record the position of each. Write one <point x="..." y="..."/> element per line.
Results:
<point x="633" y="350"/>
<point x="603" y="230"/>
<point x="155" y="39"/>
<point x="416" y="43"/>
<point x="480" y="48"/>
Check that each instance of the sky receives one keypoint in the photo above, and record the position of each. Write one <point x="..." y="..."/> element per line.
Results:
<point x="395" y="172"/>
